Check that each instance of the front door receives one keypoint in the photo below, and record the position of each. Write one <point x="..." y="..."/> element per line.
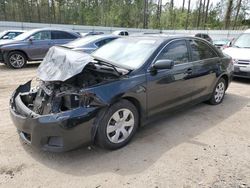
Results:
<point x="39" y="45"/>
<point x="171" y="87"/>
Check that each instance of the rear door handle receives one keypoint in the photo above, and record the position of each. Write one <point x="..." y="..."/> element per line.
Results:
<point x="189" y="71"/>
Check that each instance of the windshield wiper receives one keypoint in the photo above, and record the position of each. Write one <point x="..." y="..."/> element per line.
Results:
<point x="109" y="65"/>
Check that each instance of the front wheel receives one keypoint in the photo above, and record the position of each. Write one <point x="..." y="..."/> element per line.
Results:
<point x="118" y="125"/>
<point x="16" y="60"/>
<point x="218" y="93"/>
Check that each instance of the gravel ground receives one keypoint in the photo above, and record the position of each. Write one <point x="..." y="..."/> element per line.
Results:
<point x="202" y="146"/>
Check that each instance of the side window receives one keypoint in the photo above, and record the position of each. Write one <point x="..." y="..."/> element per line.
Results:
<point x="176" y="51"/>
<point x="201" y="50"/>
<point x="126" y="33"/>
<point x="62" y="35"/>
<point x="42" y="35"/>
<point x="12" y="35"/>
<point x="100" y="43"/>
<point x="103" y="42"/>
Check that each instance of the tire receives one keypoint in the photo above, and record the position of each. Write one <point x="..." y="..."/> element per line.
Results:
<point x="218" y="92"/>
<point x="114" y="130"/>
<point x="16" y="60"/>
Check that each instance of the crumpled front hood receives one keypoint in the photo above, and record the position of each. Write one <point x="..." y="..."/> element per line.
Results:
<point x="238" y="53"/>
<point x="61" y="64"/>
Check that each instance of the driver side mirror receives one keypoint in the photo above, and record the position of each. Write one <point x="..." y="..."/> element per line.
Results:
<point x="163" y="64"/>
<point x="31" y="39"/>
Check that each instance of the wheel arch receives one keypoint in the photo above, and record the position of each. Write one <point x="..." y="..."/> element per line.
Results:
<point x="137" y="104"/>
<point x="226" y="78"/>
<point x="102" y="111"/>
<point x="17" y="50"/>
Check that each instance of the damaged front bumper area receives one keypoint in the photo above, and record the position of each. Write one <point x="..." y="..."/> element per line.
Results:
<point x="55" y="132"/>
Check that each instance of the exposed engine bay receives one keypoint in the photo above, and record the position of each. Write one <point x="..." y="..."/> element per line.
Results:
<point x="64" y="76"/>
<point x="58" y="96"/>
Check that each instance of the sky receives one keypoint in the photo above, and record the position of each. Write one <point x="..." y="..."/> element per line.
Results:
<point x="178" y="3"/>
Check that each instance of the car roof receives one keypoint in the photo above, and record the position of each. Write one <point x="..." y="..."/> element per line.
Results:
<point x="102" y="36"/>
<point x="15" y="30"/>
<point x="54" y="29"/>
<point x="164" y="37"/>
<point x="118" y="31"/>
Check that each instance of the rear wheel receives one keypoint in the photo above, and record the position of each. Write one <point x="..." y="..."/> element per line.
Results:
<point x="118" y="125"/>
<point x="16" y="60"/>
<point x="218" y="93"/>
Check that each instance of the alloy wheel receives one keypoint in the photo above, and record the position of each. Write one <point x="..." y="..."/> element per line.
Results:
<point x="17" y="61"/>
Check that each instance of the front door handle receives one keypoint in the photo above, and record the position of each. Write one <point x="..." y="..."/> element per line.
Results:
<point x="189" y="71"/>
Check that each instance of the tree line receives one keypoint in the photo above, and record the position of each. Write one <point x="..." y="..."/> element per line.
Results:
<point x="156" y="14"/>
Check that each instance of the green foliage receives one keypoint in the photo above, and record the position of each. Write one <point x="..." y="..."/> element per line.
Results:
<point x="125" y="13"/>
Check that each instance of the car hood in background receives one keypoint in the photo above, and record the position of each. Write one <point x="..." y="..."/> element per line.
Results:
<point x="238" y="53"/>
<point x="8" y="41"/>
<point x="61" y="64"/>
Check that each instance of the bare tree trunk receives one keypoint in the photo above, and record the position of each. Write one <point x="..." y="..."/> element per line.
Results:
<point x="183" y="5"/>
<point x="199" y="15"/>
<point x="49" y="17"/>
<point x="145" y="15"/>
<point x="206" y="14"/>
<point x="228" y="14"/>
<point x="38" y="11"/>
<point x="172" y="13"/>
<point x="158" y="15"/>
<point x="237" y="13"/>
<point x="53" y="10"/>
<point x="4" y="10"/>
<point x="187" y="18"/>
<point x="203" y="12"/>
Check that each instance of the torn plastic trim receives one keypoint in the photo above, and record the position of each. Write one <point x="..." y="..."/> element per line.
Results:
<point x="93" y="101"/>
<point x="66" y="119"/>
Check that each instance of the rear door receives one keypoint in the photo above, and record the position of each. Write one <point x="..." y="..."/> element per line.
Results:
<point x="62" y="37"/>
<point x="206" y="63"/>
<point x="40" y="44"/>
<point x="171" y="87"/>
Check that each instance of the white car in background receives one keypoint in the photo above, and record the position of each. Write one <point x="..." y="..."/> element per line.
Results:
<point x="121" y="33"/>
<point x="239" y="50"/>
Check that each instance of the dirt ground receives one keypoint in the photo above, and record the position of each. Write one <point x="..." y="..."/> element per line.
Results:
<point x="202" y="146"/>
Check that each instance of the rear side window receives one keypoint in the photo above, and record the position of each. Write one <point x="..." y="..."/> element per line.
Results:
<point x="176" y="51"/>
<point x="200" y="50"/>
<point x="100" y="43"/>
<point x="62" y="35"/>
<point x="42" y="35"/>
<point x="103" y="42"/>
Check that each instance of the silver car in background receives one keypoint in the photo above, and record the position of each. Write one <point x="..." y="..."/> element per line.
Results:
<point x="33" y="45"/>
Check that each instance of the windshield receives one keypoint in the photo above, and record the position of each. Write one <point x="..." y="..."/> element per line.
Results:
<point x="2" y="34"/>
<point x="82" y="41"/>
<point x="243" y="41"/>
<point x="221" y="41"/>
<point x="128" y="53"/>
<point x="24" y="36"/>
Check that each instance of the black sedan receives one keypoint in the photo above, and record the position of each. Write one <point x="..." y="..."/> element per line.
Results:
<point x="106" y="96"/>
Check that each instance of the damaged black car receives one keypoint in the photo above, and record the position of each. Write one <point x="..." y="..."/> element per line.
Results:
<point x="104" y="97"/>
